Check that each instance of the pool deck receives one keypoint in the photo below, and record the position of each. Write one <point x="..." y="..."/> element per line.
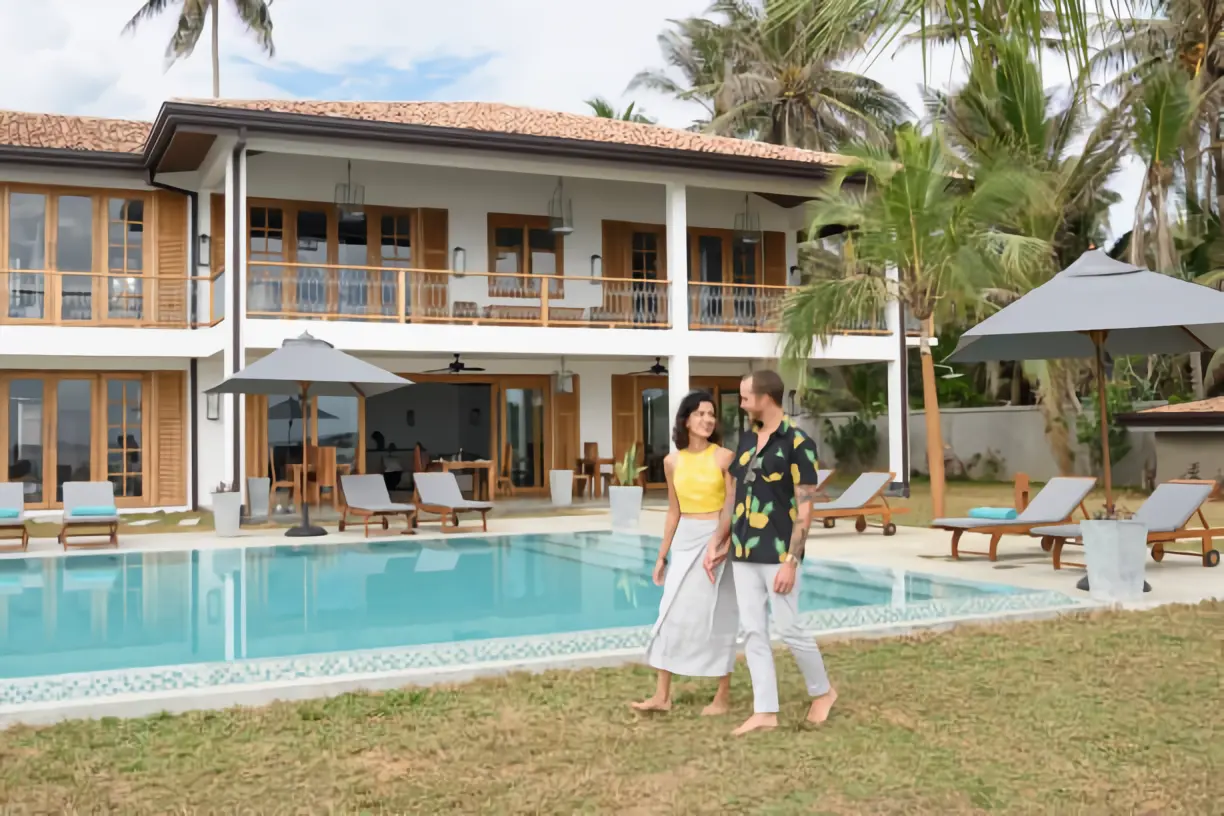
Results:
<point x="141" y="692"/>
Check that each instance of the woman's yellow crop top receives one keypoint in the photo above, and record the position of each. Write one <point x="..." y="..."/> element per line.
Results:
<point x="699" y="481"/>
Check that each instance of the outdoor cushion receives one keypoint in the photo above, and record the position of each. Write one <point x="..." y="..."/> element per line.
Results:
<point x="93" y="511"/>
<point x="1058" y="531"/>
<point x="863" y="490"/>
<point x="9" y="513"/>
<point x="1168" y="508"/>
<point x="1055" y="502"/>
<point x="996" y="513"/>
<point x="442" y="490"/>
<point x="368" y="492"/>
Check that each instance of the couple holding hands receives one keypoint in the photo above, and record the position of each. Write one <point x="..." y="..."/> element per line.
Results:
<point x="732" y="550"/>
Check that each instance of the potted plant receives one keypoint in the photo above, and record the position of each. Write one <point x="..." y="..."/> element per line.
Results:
<point x="1115" y="552"/>
<point x="227" y="509"/>
<point x="625" y="496"/>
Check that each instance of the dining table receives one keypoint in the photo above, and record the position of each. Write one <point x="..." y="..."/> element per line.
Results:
<point x="482" y="475"/>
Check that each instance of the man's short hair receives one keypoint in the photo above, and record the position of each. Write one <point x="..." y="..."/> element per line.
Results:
<point x="766" y="383"/>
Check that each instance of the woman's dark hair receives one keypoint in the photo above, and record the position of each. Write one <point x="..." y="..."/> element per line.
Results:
<point x="693" y="401"/>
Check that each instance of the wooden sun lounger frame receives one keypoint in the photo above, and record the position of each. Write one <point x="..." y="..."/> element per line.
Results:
<point x="23" y="540"/>
<point x="365" y="516"/>
<point x="111" y="529"/>
<point x="1156" y="540"/>
<point x="448" y="517"/>
<point x="877" y="505"/>
<point x="997" y="531"/>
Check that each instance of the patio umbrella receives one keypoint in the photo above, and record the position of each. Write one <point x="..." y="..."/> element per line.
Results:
<point x="307" y="367"/>
<point x="1098" y="306"/>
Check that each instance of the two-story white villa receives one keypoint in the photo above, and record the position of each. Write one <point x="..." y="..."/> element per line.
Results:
<point x="586" y="272"/>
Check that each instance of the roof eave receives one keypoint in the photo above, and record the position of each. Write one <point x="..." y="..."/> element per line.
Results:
<point x="174" y="114"/>
<point x="75" y="159"/>
<point x="1141" y="419"/>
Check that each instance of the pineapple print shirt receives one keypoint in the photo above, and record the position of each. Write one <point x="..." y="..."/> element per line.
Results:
<point x="765" y="480"/>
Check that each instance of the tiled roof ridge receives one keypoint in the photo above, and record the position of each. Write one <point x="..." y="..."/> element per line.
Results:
<point x="1210" y="405"/>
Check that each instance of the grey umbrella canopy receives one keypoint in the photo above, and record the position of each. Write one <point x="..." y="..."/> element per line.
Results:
<point x="1096" y="306"/>
<point x="307" y="367"/>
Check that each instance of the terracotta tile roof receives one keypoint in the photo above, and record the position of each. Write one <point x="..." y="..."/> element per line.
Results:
<point x="49" y="130"/>
<point x="1215" y="405"/>
<point x="498" y="118"/>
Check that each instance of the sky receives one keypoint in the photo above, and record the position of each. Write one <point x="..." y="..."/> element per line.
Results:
<point x="70" y="56"/>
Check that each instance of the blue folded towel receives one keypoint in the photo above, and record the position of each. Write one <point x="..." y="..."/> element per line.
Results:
<point x="8" y="512"/>
<point x="993" y="513"/>
<point x="93" y="511"/>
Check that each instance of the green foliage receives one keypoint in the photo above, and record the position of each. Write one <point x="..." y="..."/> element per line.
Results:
<point x="626" y="471"/>
<point x="1117" y="401"/>
<point x="854" y="443"/>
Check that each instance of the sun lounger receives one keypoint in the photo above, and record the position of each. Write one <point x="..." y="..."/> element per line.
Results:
<point x="863" y="498"/>
<point x="90" y="505"/>
<point x="1054" y="504"/>
<point x="12" y="517"/>
<point x="366" y="496"/>
<point x="439" y="493"/>
<point x="1165" y="513"/>
<point x="822" y="484"/>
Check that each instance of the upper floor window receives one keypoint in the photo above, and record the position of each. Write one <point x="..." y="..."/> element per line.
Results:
<point x="524" y="247"/>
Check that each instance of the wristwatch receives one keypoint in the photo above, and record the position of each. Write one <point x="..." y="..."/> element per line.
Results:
<point x="790" y="558"/>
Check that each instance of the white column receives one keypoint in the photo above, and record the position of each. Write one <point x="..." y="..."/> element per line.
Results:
<point x="233" y="410"/>
<point x="898" y="400"/>
<point x="677" y="384"/>
<point x="677" y="256"/>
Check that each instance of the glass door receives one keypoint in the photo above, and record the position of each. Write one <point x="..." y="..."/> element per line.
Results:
<point x="522" y="435"/>
<point x="731" y="418"/>
<point x="706" y="262"/>
<point x="311" y="247"/>
<point x="656" y="435"/>
<point x="27" y="434"/>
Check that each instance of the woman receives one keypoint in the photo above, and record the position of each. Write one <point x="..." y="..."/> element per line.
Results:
<point x="698" y="621"/>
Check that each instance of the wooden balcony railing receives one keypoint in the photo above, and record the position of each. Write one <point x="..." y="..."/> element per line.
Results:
<point x="54" y="298"/>
<point x="750" y="307"/>
<point x="334" y="292"/>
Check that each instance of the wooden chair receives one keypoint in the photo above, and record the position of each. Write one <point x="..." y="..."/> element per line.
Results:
<point x="279" y="482"/>
<point x="321" y="475"/>
<point x="504" y="481"/>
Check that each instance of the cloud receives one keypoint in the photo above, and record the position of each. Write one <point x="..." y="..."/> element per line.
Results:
<point x="70" y="57"/>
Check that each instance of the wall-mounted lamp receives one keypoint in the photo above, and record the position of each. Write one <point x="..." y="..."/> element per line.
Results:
<point x="212" y="406"/>
<point x="459" y="261"/>
<point x="794" y="276"/>
<point x="203" y="257"/>
<point x="596" y="266"/>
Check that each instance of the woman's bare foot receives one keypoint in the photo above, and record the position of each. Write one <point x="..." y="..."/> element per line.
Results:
<point x="716" y="708"/>
<point x="653" y="704"/>
<point x="821" y="706"/>
<point x="757" y="722"/>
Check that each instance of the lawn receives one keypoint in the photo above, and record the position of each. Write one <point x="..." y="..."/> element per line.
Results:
<point x="1110" y="713"/>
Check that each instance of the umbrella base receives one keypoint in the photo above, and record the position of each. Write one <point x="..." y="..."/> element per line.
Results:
<point x="1083" y="584"/>
<point x="305" y="531"/>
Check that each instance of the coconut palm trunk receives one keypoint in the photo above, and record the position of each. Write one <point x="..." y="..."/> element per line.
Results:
<point x="930" y="411"/>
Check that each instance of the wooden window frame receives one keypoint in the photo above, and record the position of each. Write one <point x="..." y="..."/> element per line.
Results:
<point x="616" y="266"/>
<point x="525" y="223"/>
<point x="98" y="439"/>
<point x="99" y="267"/>
<point x="728" y="261"/>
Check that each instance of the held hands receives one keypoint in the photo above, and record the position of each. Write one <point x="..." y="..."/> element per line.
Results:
<point x="660" y="569"/>
<point x="716" y="553"/>
<point x="784" y="579"/>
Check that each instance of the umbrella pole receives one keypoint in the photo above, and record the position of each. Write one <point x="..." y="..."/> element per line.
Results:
<point x="1098" y="340"/>
<point x="305" y="530"/>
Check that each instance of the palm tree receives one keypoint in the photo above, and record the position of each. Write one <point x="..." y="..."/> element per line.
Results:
<point x="603" y="109"/>
<point x="1004" y="120"/>
<point x="762" y="80"/>
<point x="255" y="15"/>
<point x="916" y="214"/>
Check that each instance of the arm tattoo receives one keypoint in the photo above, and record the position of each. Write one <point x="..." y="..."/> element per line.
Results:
<point x="803" y="499"/>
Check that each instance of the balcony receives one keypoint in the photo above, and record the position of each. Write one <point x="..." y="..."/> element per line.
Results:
<point x="750" y="307"/>
<point x="53" y="298"/>
<point x="404" y="295"/>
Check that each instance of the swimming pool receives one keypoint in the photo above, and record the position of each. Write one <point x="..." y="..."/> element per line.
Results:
<point x="208" y="617"/>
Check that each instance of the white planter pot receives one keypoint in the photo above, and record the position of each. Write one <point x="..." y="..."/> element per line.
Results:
<point x="561" y="483"/>
<point x="227" y="513"/>
<point x="626" y="505"/>
<point x="1115" y="553"/>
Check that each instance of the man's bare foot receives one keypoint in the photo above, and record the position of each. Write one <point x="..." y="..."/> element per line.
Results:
<point x="821" y="706"/>
<point x="716" y="708"/>
<point x="653" y="704"/>
<point x="757" y="722"/>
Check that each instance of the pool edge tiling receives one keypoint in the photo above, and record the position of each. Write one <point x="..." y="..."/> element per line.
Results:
<point x="505" y="653"/>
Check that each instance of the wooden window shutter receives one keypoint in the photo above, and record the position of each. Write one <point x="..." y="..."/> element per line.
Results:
<point x="170" y="428"/>
<point x="626" y="421"/>
<point x="774" y="263"/>
<point x="435" y="239"/>
<point x="172" y="237"/>
<point x="615" y="249"/>
<point x="217" y="234"/>
<point x="566" y="432"/>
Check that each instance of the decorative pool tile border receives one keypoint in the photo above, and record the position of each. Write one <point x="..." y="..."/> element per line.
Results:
<point x="97" y="686"/>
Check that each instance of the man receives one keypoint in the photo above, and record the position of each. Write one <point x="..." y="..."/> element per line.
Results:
<point x="764" y="529"/>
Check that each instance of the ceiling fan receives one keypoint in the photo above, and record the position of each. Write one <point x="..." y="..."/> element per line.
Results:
<point x="658" y="369"/>
<point x="457" y="366"/>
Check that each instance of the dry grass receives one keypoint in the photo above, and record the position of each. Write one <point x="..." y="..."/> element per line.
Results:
<point x="1114" y="713"/>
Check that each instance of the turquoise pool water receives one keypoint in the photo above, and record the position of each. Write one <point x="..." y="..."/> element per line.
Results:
<point x="87" y="613"/>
